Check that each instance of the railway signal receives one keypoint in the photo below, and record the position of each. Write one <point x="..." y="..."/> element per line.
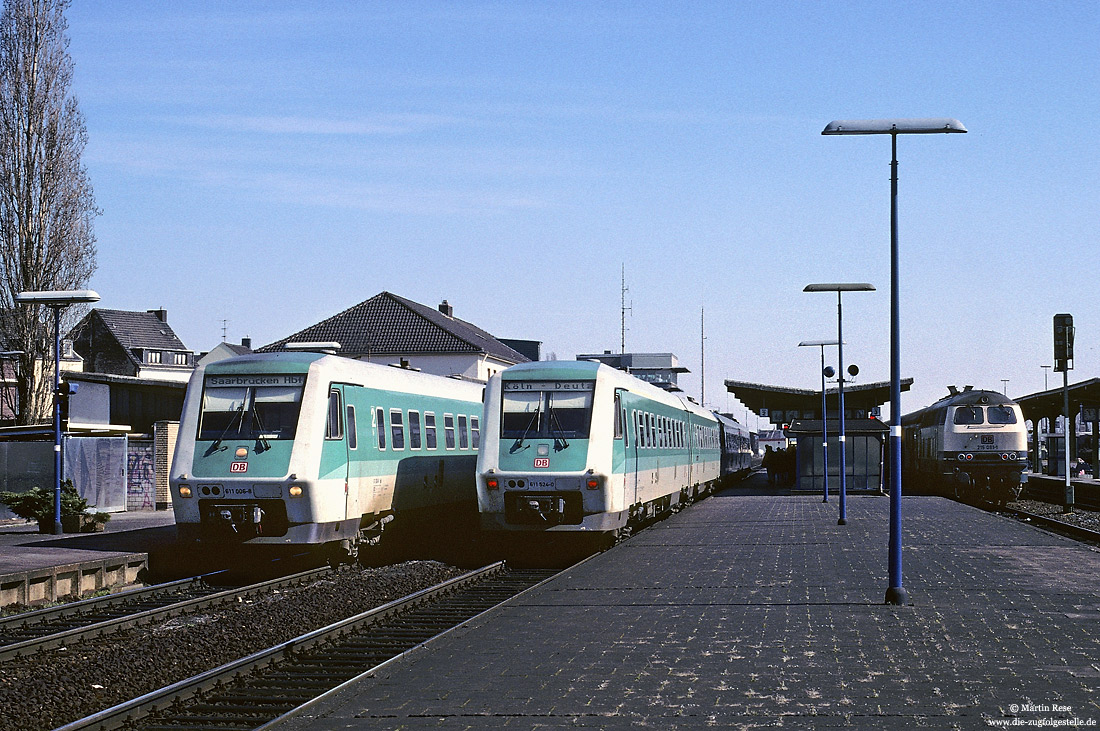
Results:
<point x="1063" y="361"/>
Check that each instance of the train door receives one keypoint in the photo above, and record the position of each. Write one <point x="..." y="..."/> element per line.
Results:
<point x="334" y="455"/>
<point x="633" y="429"/>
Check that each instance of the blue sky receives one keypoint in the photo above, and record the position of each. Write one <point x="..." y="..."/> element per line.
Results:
<point x="273" y="163"/>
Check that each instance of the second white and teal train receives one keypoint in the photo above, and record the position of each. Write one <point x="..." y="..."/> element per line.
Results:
<point x="580" y="447"/>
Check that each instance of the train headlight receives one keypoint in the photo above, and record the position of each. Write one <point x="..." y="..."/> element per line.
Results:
<point x="185" y="491"/>
<point x="241" y="452"/>
<point x="592" y="483"/>
<point x="295" y="491"/>
<point x="492" y="483"/>
<point x="969" y="457"/>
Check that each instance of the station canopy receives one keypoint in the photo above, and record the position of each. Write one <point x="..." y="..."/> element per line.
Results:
<point x="782" y="405"/>
<point x="1048" y="404"/>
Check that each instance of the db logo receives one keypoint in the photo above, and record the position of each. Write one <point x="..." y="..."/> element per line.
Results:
<point x="238" y="467"/>
<point x="542" y="462"/>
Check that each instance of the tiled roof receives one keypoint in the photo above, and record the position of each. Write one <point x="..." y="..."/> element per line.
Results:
<point x="140" y="330"/>
<point x="390" y="324"/>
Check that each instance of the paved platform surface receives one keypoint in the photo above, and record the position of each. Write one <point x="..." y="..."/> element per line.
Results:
<point x="757" y="611"/>
<point x="40" y="566"/>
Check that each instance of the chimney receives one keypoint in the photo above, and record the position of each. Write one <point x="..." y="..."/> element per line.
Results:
<point x="247" y="342"/>
<point x="161" y="314"/>
<point x="446" y="309"/>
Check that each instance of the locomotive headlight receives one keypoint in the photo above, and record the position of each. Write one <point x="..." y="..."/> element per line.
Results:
<point x="241" y="452"/>
<point x="185" y="491"/>
<point x="492" y="483"/>
<point x="592" y="483"/>
<point x="295" y="491"/>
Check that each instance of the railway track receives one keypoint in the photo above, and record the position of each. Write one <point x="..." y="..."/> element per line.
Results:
<point x="250" y="692"/>
<point x="1053" y="524"/>
<point x="31" y="632"/>
<point x="1049" y="491"/>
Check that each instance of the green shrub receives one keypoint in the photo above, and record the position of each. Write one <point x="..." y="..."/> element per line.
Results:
<point x="37" y="503"/>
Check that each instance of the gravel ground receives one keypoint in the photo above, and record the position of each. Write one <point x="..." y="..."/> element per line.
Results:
<point x="1080" y="517"/>
<point x="59" y="686"/>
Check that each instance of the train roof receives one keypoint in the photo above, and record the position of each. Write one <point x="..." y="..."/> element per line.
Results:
<point x="584" y="369"/>
<point x="967" y="397"/>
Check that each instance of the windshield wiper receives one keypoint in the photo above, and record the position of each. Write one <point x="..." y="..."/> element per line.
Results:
<point x="519" y="442"/>
<point x="238" y="413"/>
<point x="258" y="427"/>
<point x="555" y="427"/>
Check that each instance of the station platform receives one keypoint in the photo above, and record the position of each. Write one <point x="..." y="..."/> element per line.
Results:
<point x="753" y="609"/>
<point x="40" y="567"/>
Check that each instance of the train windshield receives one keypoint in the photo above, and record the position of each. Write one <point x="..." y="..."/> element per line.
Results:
<point x="1001" y="415"/>
<point x="965" y="415"/>
<point x="549" y="410"/>
<point x="243" y="407"/>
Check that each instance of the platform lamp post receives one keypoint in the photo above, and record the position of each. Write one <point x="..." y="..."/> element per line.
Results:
<point x="57" y="301"/>
<point x="895" y="593"/>
<point x="839" y="288"/>
<point x="824" y="413"/>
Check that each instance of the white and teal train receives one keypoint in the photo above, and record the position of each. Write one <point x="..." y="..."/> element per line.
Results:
<point x="580" y="447"/>
<point x="307" y="449"/>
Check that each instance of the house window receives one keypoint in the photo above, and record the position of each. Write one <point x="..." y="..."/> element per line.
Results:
<point x="179" y="359"/>
<point x="152" y="356"/>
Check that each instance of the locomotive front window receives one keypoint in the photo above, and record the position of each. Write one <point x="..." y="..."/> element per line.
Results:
<point x="243" y="407"/>
<point x="1001" y="415"/>
<point x="965" y="415"/>
<point x="546" y="410"/>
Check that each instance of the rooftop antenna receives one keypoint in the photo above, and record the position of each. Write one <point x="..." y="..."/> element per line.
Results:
<point x="622" y="313"/>
<point x="225" y="323"/>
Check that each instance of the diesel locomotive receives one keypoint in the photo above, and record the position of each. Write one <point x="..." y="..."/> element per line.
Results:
<point x="971" y="444"/>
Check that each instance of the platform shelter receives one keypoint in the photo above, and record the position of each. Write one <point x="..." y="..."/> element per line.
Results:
<point x="1084" y="404"/>
<point x="798" y="412"/>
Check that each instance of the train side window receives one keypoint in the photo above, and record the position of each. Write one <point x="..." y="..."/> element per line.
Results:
<point x="449" y="431"/>
<point x="618" y="416"/>
<point x="475" y="432"/>
<point x="429" y="430"/>
<point x="353" y="436"/>
<point x="334" y="429"/>
<point x="380" y="426"/>
<point x="397" y="428"/>
<point x="414" y="430"/>
<point x="463" y="435"/>
<point x="652" y="430"/>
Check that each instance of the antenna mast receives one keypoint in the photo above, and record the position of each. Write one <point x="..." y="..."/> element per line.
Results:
<point x="702" y="359"/>
<point x="622" y="313"/>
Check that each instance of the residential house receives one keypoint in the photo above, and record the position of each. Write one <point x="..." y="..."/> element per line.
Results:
<point x="392" y="330"/>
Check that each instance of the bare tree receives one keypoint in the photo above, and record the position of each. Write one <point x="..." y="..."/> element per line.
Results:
<point x="46" y="201"/>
